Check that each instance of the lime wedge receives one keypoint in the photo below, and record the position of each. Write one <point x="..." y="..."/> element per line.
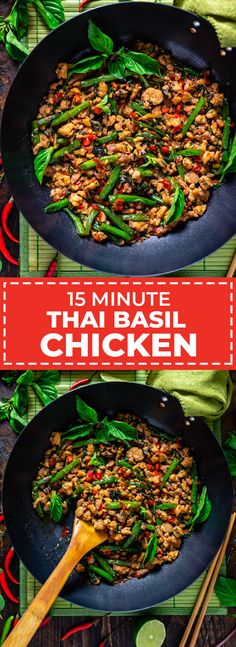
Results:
<point x="149" y="633"/>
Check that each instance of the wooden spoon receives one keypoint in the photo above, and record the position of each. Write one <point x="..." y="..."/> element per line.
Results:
<point x="84" y="538"/>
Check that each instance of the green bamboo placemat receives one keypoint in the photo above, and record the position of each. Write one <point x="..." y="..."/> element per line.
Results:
<point x="181" y="604"/>
<point x="35" y="254"/>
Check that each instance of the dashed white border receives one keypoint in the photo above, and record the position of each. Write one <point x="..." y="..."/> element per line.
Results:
<point x="121" y="364"/>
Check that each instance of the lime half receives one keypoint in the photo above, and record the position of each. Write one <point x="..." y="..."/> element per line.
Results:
<point x="149" y="633"/>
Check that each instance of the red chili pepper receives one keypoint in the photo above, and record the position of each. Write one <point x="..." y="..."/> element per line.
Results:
<point x="98" y="475"/>
<point x="151" y="502"/>
<point x="90" y="475"/>
<point x="97" y="110"/>
<point x="166" y="183"/>
<point x="82" y="4"/>
<point x="5" y="251"/>
<point x="134" y="114"/>
<point x="86" y="141"/>
<point x="7" y="564"/>
<point x="65" y="532"/>
<point x="152" y="148"/>
<point x="5" y="213"/>
<point x="5" y="588"/>
<point x="177" y="129"/>
<point x="85" y="380"/>
<point x="77" y="98"/>
<point x="74" y="630"/>
<point x="164" y="110"/>
<point x="45" y="621"/>
<point x="102" y="644"/>
<point x="53" y="267"/>
<point x="16" y="620"/>
<point x="165" y="149"/>
<point x="2" y="518"/>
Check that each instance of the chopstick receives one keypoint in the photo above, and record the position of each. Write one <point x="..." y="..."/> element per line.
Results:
<point x="206" y="590"/>
<point x="232" y="267"/>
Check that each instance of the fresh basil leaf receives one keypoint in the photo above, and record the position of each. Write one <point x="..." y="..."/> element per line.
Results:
<point x="102" y="435"/>
<point x="26" y="378"/>
<point x="230" y="442"/>
<point x="225" y="590"/>
<point x="17" y="422"/>
<point x="177" y="206"/>
<point x="87" y="64"/>
<point x="51" y="11"/>
<point x="5" y="408"/>
<point x="151" y="550"/>
<point x="14" y="47"/>
<point x="117" y="68"/>
<point x="128" y="430"/>
<point x="203" y="508"/>
<point x="96" y="460"/>
<point x="229" y="447"/>
<point x="103" y="105"/>
<point x="46" y="394"/>
<point x="9" y="377"/>
<point x="206" y="511"/>
<point x="231" y="164"/>
<point x="20" y="399"/>
<point x="98" y="40"/>
<point x="78" y="431"/>
<point x="49" y="377"/>
<point x="2" y="603"/>
<point x="18" y="18"/>
<point x="115" y="432"/>
<point x="85" y="412"/>
<point x="55" y="507"/>
<point x="141" y="63"/>
<point x="41" y="162"/>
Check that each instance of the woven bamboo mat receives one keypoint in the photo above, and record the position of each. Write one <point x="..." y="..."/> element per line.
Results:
<point x="181" y="604"/>
<point x="35" y="254"/>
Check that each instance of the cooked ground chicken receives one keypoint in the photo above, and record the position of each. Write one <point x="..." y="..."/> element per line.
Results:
<point x="136" y="494"/>
<point x="143" y="130"/>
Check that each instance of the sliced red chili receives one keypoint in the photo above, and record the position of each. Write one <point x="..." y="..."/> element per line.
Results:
<point x="166" y="183"/>
<point x="97" y="111"/>
<point x="177" y="129"/>
<point x="98" y="474"/>
<point x="164" y="110"/>
<point x="86" y="141"/>
<point x="151" y="502"/>
<point x="119" y="204"/>
<point x="7" y="564"/>
<point x="153" y="148"/>
<point x="90" y="475"/>
<point x="164" y="149"/>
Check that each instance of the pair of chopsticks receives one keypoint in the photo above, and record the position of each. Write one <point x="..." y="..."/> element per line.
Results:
<point x="232" y="267"/>
<point x="205" y="592"/>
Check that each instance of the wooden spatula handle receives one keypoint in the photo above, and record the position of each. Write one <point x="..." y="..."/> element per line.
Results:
<point x="32" y="618"/>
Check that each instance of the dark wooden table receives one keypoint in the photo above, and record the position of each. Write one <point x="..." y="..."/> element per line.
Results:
<point x="214" y="628"/>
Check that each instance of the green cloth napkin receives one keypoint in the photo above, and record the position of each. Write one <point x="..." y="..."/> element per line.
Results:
<point x="220" y="13"/>
<point x="200" y="393"/>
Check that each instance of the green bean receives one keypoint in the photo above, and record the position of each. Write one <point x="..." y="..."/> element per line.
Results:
<point x="90" y="220"/>
<point x="187" y="152"/>
<point x="97" y="79"/>
<point x="76" y="221"/>
<point x="135" y="217"/>
<point x="138" y="108"/>
<point x="156" y="130"/>
<point x="114" y="505"/>
<point x="64" y="471"/>
<point x="106" y="481"/>
<point x="107" y="138"/>
<point x="69" y="114"/>
<point x="132" y="504"/>
<point x="111" y="182"/>
<point x="56" y="206"/>
<point x="109" y="229"/>
<point x="45" y="479"/>
<point x="6" y="629"/>
<point x="65" y="149"/>
<point x="91" y="163"/>
<point x="113" y="106"/>
<point x="127" y="197"/>
<point x="62" y="140"/>
<point x="200" y="104"/>
<point x="116" y="219"/>
<point x="103" y="563"/>
<point x="118" y="562"/>
<point x="126" y="464"/>
<point x="99" y="571"/>
<point x="166" y="506"/>
<point x="145" y="172"/>
<point x="135" y="532"/>
<point x="119" y="549"/>
<point x="35" y="133"/>
<point x="45" y="120"/>
<point x="150" y="526"/>
<point x="169" y="471"/>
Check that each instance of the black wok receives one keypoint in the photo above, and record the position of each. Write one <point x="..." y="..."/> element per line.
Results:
<point x="125" y="22"/>
<point x="39" y="543"/>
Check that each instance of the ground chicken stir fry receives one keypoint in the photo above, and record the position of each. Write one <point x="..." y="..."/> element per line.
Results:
<point x="134" y="156"/>
<point x="141" y="495"/>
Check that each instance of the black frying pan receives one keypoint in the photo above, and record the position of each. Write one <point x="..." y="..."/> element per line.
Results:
<point x="126" y="22"/>
<point x="39" y="543"/>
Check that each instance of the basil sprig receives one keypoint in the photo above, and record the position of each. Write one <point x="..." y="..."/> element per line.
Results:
<point x="15" y="409"/>
<point x="55" y="509"/>
<point x="177" y="207"/>
<point x="103" y="431"/>
<point x="41" y="162"/>
<point x="14" y="27"/>
<point x="119" y="63"/>
<point x="203" y="508"/>
<point x="225" y="589"/>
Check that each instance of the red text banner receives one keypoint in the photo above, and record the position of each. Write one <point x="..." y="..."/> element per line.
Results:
<point x="117" y="323"/>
